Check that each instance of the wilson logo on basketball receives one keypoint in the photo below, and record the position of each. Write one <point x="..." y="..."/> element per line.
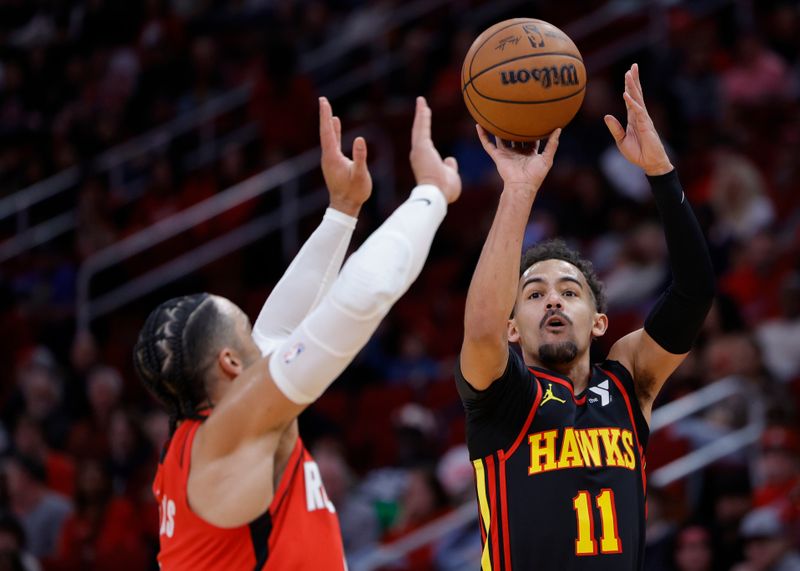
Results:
<point x="547" y="76"/>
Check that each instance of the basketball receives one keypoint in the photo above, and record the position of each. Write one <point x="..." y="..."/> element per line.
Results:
<point x="522" y="79"/>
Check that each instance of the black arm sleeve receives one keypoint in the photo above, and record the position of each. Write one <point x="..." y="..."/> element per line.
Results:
<point x="676" y="319"/>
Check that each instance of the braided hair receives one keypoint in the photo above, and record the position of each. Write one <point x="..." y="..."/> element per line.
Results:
<point x="176" y="347"/>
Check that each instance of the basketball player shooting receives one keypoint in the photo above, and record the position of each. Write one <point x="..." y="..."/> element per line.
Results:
<point x="236" y="488"/>
<point x="558" y="443"/>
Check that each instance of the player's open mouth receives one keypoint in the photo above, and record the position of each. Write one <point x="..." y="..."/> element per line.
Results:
<point x="555" y="323"/>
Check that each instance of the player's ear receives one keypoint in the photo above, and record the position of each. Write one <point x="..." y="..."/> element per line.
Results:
<point x="230" y="362"/>
<point x="599" y="325"/>
<point x="513" y="332"/>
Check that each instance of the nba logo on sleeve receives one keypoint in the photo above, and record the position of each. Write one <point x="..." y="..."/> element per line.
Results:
<point x="602" y="390"/>
<point x="292" y="353"/>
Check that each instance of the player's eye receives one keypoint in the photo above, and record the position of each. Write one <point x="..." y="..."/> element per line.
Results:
<point x="570" y="293"/>
<point x="534" y="295"/>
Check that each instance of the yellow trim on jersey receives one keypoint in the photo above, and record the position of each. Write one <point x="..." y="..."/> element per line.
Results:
<point x="480" y="479"/>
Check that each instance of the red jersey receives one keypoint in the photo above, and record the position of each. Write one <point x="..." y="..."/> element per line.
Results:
<point x="299" y="530"/>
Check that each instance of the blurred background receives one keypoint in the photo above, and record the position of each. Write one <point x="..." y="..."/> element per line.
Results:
<point x="152" y="148"/>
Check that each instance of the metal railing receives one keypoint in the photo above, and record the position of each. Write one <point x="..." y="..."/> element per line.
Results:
<point x="718" y="448"/>
<point x="464" y="515"/>
<point x="112" y="162"/>
<point x="281" y="177"/>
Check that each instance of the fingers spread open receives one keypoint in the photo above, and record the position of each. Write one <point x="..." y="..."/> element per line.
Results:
<point x="327" y="133"/>
<point x="337" y="129"/>
<point x="360" y="157"/>
<point x="488" y="146"/>
<point x="552" y="144"/>
<point x="637" y="82"/>
<point x="635" y="110"/>
<point x="615" y="128"/>
<point x="421" y="130"/>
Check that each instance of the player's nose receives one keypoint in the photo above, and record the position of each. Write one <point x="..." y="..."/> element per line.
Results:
<point x="553" y="300"/>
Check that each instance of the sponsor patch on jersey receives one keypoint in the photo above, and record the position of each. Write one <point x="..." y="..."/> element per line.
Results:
<point x="603" y="391"/>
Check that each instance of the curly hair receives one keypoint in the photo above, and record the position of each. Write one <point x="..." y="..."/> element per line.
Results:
<point x="175" y="349"/>
<point x="558" y="250"/>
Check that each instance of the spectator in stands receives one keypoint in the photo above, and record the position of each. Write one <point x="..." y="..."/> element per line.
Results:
<point x="89" y="437"/>
<point x="758" y="268"/>
<point x="13" y="545"/>
<point x="757" y="76"/>
<point x="779" y="338"/>
<point x="731" y="494"/>
<point x="41" y="388"/>
<point x="358" y="518"/>
<point x="130" y="459"/>
<point x="423" y="501"/>
<point x="641" y="271"/>
<point x="95" y="227"/>
<point x="768" y="546"/>
<point x="462" y="546"/>
<point x="693" y="549"/>
<point x="101" y="534"/>
<point x="59" y="467"/>
<point x="738" y="197"/>
<point x="778" y="468"/>
<point x="40" y="511"/>
<point x="659" y="532"/>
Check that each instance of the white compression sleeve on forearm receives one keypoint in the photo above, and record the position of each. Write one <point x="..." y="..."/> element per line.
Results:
<point x="305" y="282"/>
<point x="374" y="277"/>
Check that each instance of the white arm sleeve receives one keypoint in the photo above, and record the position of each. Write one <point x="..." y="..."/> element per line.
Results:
<point x="305" y="282"/>
<point x="374" y="277"/>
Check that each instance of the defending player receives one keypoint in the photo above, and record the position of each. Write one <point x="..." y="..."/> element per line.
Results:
<point x="558" y="444"/>
<point x="236" y="488"/>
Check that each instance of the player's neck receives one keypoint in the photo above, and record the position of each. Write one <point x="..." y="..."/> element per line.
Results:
<point x="577" y="370"/>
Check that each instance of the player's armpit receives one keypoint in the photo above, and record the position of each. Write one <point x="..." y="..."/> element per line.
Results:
<point x="233" y="450"/>
<point x="483" y="361"/>
<point x="252" y="407"/>
<point x="233" y="490"/>
<point x="650" y="365"/>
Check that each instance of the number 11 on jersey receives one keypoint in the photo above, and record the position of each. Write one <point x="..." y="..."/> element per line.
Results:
<point x="586" y="544"/>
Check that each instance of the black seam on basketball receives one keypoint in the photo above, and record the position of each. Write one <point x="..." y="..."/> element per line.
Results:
<point x="498" y="127"/>
<point x="530" y="102"/>
<point x="483" y="43"/>
<point x="504" y="62"/>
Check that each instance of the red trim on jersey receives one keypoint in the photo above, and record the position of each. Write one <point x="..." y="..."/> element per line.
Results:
<point x="579" y="401"/>
<point x="504" y="506"/>
<point x="528" y="421"/>
<point x="621" y="388"/>
<point x="492" y="485"/>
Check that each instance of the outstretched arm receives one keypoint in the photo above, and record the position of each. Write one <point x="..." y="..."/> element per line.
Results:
<point x="310" y="275"/>
<point x="651" y="354"/>
<point x="241" y="432"/>
<point x="493" y="289"/>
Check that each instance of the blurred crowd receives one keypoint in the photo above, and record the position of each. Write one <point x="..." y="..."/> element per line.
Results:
<point x="79" y="438"/>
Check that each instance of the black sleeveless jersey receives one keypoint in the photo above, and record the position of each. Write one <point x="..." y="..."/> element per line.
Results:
<point x="560" y="477"/>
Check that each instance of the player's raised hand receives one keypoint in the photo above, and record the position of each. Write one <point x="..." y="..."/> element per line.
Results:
<point x="426" y="162"/>
<point x="349" y="182"/>
<point x="639" y="142"/>
<point x="525" y="167"/>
